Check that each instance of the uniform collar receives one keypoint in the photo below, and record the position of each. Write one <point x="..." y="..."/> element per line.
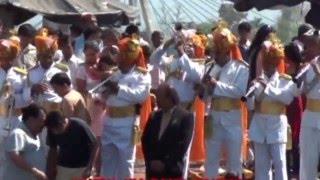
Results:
<point x="227" y="64"/>
<point x="52" y="65"/>
<point x="272" y="78"/>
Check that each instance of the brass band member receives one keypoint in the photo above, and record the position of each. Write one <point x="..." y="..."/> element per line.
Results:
<point x="268" y="129"/>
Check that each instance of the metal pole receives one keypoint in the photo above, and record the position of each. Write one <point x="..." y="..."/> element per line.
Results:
<point x="148" y="18"/>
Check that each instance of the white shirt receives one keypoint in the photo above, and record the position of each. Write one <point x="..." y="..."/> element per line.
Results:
<point x="17" y="82"/>
<point x="79" y="46"/>
<point x="267" y="128"/>
<point x="27" y="58"/>
<point x="311" y="119"/>
<point x="192" y="74"/>
<point x="134" y="89"/>
<point x="38" y="75"/>
<point x="73" y="64"/>
<point x="29" y="147"/>
<point x="231" y="83"/>
<point x="158" y="61"/>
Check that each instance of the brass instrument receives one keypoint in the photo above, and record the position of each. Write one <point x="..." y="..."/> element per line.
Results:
<point x="211" y="63"/>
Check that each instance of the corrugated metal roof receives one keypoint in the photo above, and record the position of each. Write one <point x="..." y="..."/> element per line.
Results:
<point x="66" y="11"/>
<point x="3" y="1"/>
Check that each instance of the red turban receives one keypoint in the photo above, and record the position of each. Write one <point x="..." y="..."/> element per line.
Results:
<point x="273" y="52"/>
<point x="8" y="49"/>
<point x="131" y="52"/>
<point x="45" y="43"/>
<point x="225" y="41"/>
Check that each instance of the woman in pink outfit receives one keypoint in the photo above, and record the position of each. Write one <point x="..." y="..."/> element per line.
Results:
<point x="88" y="77"/>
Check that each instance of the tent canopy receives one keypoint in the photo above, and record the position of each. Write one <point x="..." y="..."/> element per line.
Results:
<point x="108" y="12"/>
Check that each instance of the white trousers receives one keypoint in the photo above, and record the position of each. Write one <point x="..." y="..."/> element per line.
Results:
<point x="309" y="153"/>
<point x="3" y="135"/>
<point x="118" y="153"/>
<point x="14" y="122"/>
<point x="268" y="155"/>
<point x="230" y="138"/>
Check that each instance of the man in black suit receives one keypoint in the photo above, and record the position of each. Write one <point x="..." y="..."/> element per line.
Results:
<point x="167" y="136"/>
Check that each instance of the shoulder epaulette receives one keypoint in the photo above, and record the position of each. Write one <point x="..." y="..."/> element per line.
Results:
<point x="141" y="70"/>
<point x="286" y="76"/>
<point x="114" y="68"/>
<point x="21" y="71"/>
<point x="243" y="63"/>
<point x="61" y="66"/>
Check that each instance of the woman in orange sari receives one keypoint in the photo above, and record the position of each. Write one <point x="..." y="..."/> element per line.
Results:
<point x="197" y="154"/>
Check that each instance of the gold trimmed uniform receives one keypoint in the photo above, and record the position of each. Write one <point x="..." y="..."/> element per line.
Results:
<point x="120" y="124"/>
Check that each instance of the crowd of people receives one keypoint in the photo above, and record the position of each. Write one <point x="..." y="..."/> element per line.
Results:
<point x="90" y="101"/>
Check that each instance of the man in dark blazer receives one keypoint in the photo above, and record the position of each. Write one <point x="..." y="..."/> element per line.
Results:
<point x="167" y="136"/>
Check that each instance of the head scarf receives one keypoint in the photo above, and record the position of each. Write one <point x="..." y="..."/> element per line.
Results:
<point x="45" y="43"/>
<point x="200" y="42"/>
<point x="8" y="49"/>
<point x="131" y="51"/>
<point x="15" y="39"/>
<point x="273" y="52"/>
<point x="225" y="41"/>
